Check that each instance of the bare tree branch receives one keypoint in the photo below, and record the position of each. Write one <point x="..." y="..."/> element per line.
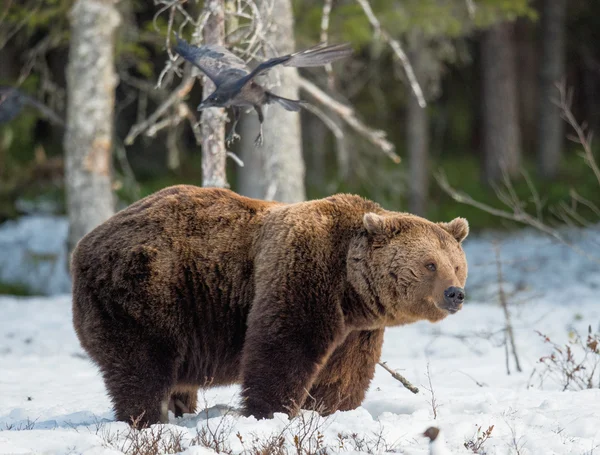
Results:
<point x="395" y="45"/>
<point x="518" y="214"/>
<point x="582" y="137"/>
<point x="327" y="5"/>
<point x="348" y="114"/>
<point x="182" y="90"/>
<point x="405" y="382"/>
<point x="508" y="327"/>
<point x="471" y="8"/>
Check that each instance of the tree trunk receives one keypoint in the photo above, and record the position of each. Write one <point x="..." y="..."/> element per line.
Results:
<point x="250" y="178"/>
<point x="88" y="142"/>
<point x="280" y="157"/>
<point x="417" y="144"/>
<point x="214" y="154"/>
<point x="552" y="67"/>
<point x="501" y="133"/>
<point x="527" y="59"/>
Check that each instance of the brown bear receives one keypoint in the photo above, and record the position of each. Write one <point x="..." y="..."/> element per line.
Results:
<point x="191" y="287"/>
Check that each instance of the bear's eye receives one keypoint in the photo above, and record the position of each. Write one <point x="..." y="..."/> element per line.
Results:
<point x="431" y="267"/>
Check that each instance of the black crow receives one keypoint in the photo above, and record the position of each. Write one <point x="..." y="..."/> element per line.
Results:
<point x="234" y="81"/>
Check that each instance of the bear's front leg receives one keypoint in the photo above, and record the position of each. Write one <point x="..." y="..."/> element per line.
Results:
<point x="286" y="346"/>
<point x="344" y="380"/>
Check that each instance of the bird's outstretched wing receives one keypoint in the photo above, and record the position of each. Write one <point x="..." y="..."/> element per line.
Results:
<point x="318" y="55"/>
<point x="215" y="61"/>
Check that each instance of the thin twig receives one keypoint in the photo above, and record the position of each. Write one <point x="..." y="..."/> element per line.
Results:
<point x="348" y="114"/>
<point x="327" y="5"/>
<point x="398" y="377"/>
<point x="582" y="138"/>
<point x="433" y="401"/>
<point x="182" y="90"/>
<point x="517" y="215"/>
<point x="471" y="8"/>
<point x="589" y="204"/>
<point x="395" y="45"/>
<point x="510" y="337"/>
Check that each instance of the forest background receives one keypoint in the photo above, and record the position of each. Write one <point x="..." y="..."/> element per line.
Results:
<point x="443" y="102"/>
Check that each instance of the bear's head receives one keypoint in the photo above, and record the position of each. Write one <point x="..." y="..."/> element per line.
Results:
<point x="406" y="268"/>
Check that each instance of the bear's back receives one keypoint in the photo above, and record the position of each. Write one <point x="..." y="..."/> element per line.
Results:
<point x="179" y="246"/>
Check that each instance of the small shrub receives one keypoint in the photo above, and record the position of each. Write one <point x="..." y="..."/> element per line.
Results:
<point x="476" y="443"/>
<point x="576" y="365"/>
<point x="155" y="440"/>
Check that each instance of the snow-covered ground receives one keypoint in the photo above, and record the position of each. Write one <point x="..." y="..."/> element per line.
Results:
<point x="52" y="399"/>
<point x="33" y="253"/>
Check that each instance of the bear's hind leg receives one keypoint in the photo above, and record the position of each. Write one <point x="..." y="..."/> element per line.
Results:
<point x="139" y="399"/>
<point x="139" y="380"/>
<point x="345" y="378"/>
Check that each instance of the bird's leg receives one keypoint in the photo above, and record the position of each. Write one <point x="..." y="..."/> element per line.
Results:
<point x="232" y="136"/>
<point x="259" y="139"/>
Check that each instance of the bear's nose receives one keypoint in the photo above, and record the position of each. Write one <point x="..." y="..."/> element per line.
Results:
<point x="454" y="295"/>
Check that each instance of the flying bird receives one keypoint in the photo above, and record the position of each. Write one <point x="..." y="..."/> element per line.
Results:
<point x="235" y="82"/>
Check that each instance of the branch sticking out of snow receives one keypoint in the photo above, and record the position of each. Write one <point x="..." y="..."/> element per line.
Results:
<point x="405" y="382"/>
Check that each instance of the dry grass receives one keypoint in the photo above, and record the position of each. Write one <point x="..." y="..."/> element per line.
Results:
<point x="155" y="440"/>
<point x="477" y="442"/>
<point x="576" y="365"/>
<point x="303" y="435"/>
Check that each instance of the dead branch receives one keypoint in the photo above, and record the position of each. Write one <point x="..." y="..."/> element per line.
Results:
<point x="471" y="8"/>
<point x="180" y="92"/>
<point x="127" y="170"/>
<point x="348" y="114"/>
<point x="433" y="402"/>
<point x="398" y="377"/>
<point x="327" y="5"/>
<point x="516" y="208"/>
<point x="582" y="137"/>
<point x="395" y="45"/>
<point x="517" y="214"/>
<point x="510" y="337"/>
<point x="589" y="204"/>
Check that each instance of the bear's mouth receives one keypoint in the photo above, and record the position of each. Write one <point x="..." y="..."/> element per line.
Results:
<point x="450" y="308"/>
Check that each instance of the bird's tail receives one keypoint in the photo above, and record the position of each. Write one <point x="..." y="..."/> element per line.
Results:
<point x="286" y="103"/>
<point x="319" y="55"/>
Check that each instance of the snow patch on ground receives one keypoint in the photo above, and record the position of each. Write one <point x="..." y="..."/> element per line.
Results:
<point x="33" y="252"/>
<point x="55" y="396"/>
<point x="46" y="379"/>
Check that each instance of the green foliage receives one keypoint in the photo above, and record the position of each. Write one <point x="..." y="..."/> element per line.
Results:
<point x="464" y="174"/>
<point x="13" y="288"/>
<point x="434" y="18"/>
<point x="34" y="16"/>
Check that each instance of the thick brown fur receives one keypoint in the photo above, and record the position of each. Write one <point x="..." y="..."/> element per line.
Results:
<point x="191" y="287"/>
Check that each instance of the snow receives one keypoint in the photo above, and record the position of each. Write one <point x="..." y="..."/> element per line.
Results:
<point x="34" y="253"/>
<point x="52" y="398"/>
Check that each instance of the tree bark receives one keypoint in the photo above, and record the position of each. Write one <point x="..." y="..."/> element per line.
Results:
<point x="280" y="157"/>
<point x="417" y="144"/>
<point x="552" y="67"/>
<point x="214" y="154"/>
<point x="501" y="133"/>
<point x="88" y="142"/>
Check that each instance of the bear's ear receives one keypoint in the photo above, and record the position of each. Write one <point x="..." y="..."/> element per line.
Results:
<point x="458" y="228"/>
<point x="374" y="224"/>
